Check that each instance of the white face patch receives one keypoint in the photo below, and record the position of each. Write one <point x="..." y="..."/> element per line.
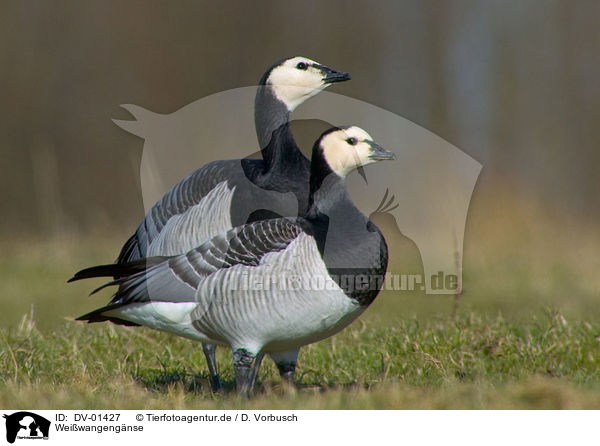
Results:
<point x="341" y="155"/>
<point x="293" y="85"/>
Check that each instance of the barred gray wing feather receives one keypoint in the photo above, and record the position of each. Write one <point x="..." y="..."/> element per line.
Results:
<point x="178" y="210"/>
<point x="217" y="197"/>
<point x="178" y="278"/>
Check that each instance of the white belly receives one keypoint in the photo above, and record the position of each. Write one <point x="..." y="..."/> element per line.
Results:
<point x="170" y="317"/>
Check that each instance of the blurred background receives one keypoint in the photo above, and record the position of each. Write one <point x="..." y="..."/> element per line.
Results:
<point x="514" y="84"/>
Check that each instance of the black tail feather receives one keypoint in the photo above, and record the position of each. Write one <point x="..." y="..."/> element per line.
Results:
<point x="106" y="285"/>
<point x="117" y="270"/>
<point x="129" y="251"/>
<point x="97" y="316"/>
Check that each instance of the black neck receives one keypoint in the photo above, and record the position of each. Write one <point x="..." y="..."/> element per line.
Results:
<point x="327" y="189"/>
<point x="349" y="243"/>
<point x="272" y="121"/>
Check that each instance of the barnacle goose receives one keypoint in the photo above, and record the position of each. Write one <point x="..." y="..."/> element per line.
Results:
<point x="228" y="193"/>
<point x="205" y="294"/>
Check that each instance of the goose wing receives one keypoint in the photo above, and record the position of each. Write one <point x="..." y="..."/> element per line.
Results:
<point x="215" y="198"/>
<point x="177" y="279"/>
<point x="204" y="192"/>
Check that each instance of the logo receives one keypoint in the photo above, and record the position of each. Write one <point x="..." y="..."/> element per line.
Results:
<point x="26" y="425"/>
<point x="426" y="191"/>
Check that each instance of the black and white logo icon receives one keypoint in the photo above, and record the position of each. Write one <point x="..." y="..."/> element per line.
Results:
<point x="26" y="425"/>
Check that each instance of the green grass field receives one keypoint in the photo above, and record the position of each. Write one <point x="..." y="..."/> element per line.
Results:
<point x="523" y="335"/>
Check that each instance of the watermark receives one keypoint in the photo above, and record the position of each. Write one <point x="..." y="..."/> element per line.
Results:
<point x="426" y="191"/>
<point x="347" y="282"/>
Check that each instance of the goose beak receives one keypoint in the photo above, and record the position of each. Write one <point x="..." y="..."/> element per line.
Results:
<point x="378" y="153"/>
<point x="331" y="76"/>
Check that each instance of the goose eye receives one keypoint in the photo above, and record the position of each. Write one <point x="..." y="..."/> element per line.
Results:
<point x="352" y="141"/>
<point x="302" y="66"/>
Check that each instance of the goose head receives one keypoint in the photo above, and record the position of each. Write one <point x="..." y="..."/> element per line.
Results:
<point x="297" y="79"/>
<point x="345" y="149"/>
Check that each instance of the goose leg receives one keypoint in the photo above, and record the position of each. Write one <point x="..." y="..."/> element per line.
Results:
<point x="245" y="365"/>
<point x="255" y="368"/>
<point x="286" y="364"/>
<point x="209" y="352"/>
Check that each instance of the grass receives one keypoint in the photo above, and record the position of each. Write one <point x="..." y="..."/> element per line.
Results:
<point x="466" y="362"/>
